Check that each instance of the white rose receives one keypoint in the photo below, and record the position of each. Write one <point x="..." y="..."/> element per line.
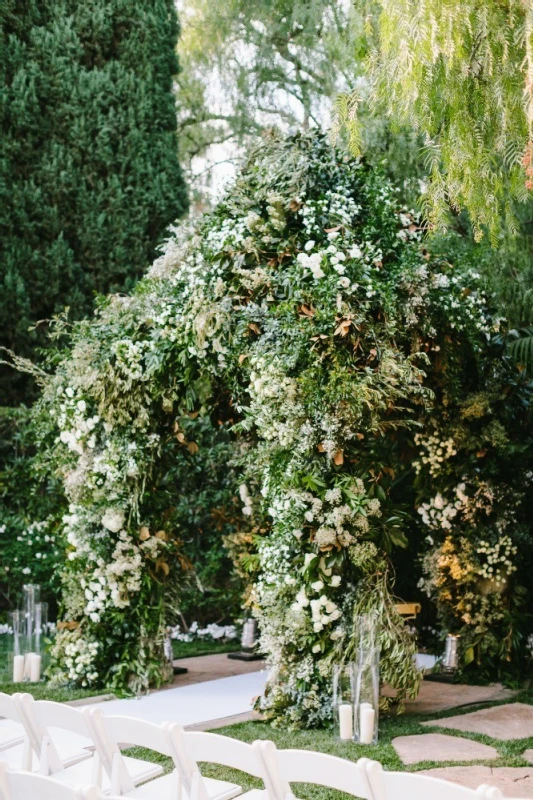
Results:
<point x="336" y="581"/>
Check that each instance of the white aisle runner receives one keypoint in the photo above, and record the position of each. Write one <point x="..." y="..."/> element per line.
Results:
<point x="200" y="702"/>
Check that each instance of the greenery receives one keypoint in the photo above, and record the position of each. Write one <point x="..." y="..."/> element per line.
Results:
<point x="305" y="320"/>
<point x="42" y="691"/>
<point x="31" y="507"/>
<point x="510" y="752"/>
<point x="462" y="75"/>
<point x="202" y="648"/>
<point x="89" y="175"/>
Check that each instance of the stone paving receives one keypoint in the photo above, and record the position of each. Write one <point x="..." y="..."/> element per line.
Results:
<point x="516" y="782"/>
<point x="438" y="747"/>
<point x="507" y="722"/>
<point x="435" y="696"/>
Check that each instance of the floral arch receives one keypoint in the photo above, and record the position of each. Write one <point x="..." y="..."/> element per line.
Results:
<point x="360" y="378"/>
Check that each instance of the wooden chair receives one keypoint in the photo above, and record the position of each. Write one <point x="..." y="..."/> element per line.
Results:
<point x="17" y="751"/>
<point x="285" y="767"/>
<point x="413" y="786"/>
<point x="216" y="749"/>
<point x="12" y="732"/>
<point x="28" y="786"/>
<point x="83" y="763"/>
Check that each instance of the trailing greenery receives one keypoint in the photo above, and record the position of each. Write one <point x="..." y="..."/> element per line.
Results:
<point x="462" y="75"/>
<point x="307" y="316"/>
<point x="89" y="175"/>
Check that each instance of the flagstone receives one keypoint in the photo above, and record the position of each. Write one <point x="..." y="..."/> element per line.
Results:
<point x="434" y="696"/>
<point x="439" y="747"/>
<point x="516" y="782"/>
<point x="510" y="721"/>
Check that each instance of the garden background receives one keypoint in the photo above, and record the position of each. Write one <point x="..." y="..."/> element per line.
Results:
<point x="107" y="130"/>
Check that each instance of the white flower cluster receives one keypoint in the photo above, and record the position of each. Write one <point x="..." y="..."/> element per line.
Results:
<point x="434" y="452"/>
<point x="498" y="559"/>
<point x="77" y="429"/>
<point x="212" y="632"/>
<point x="273" y="405"/>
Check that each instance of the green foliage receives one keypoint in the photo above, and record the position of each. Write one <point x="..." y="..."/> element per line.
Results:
<point x="89" y="176"/>
<point x="303" y="345"/>
<point x="31" y="506"/>
<point x="462" y="75"/>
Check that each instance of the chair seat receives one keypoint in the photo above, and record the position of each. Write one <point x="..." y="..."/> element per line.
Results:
<point x="162" y="789"/>
<point x="11" y="734"/>
<point x="12" y="758"/>
<point x="81" y="774"/>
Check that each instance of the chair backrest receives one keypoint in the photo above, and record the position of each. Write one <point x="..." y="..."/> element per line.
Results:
<point x="110" y="732"/>
<point x="47" y="714"/>
<point x="28" y="786"/>
<point x="9" y="708"/>
<point x="413" y="786"/>
<point x="306" y="766"/>
<point x="217" y="749"/>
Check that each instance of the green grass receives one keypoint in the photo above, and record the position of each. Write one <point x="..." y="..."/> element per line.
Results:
<point x="510" y="752"/>
<point x="41" y="691"/>
<point x="202" y="648"/>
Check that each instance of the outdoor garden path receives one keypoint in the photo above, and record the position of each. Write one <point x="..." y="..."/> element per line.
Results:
<point x="498" y="725"/>
<point x="209" y="668"/>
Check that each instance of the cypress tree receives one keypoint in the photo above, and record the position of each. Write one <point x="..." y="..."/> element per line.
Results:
<point x="89" y="172"/>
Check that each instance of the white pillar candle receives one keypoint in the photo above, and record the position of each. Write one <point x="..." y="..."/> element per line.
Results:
<point x="27" y="665"/>
<point x="35" y="668"/>
<point x="346" y="721"/>
<point x="367" y="717"/>
<point x="18" y="669"/>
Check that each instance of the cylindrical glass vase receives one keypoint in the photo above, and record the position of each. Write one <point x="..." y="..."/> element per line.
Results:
<point x="16" y="645"/>
<point x="343" y="701"/>
<point x="366" y="696"/>
<point x="32" y="596"/>
<point x="41" y="625"/>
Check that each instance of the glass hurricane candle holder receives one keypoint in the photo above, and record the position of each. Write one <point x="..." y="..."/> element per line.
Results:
<point x="366" y="696"/>
<point x="16" y="645"/>
<point x="343" y="701"/>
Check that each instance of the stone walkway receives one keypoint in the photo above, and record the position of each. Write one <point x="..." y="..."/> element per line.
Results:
<point x="434" y="697"/>
<point x="504" y="723"/>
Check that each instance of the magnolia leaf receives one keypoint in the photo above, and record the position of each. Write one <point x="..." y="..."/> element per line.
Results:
<point x="180" y="437"/>
<point x="308" y="311"/>
<point x="162" y="565"/>
<point x="343" y="327"/>
<point x="253" y="326"/>
<point x="469" y="655"/>
<point x="320" y="447"/>
<point x="193" y="448"/>
<point x="144" y="533"/>
<point x="338" y="458"/>
<point x="243" y="357"/>
<point x="161" y="535"/>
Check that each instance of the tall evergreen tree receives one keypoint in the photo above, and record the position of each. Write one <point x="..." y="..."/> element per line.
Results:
<point x="89" y="172"/>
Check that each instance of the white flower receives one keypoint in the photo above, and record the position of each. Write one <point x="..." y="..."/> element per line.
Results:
<point x="113" y="520"/>
<point x="316" y="648"/>
<point x="336" y="581"/>
<point x="344" y="283"/>
<point x="309" y="558"/>
<point x="309" y="245"/>
<point x="82" y="406"/>
<point x="317" y="586"/>
<point x="355" y="252"/>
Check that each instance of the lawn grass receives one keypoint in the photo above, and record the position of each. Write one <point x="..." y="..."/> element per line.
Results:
<point x="510" y="752"/>
<point x="202" y="648"/>
<point x="41" y="691"/>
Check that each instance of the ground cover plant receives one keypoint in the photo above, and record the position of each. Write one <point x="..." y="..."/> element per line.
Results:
<point x="364" y="389"/>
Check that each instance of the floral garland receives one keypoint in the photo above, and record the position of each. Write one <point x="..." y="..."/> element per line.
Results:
<point x="306" y="308"/>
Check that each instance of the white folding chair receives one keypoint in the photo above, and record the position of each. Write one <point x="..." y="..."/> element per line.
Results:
<point x="87" y="767"/>
<point x="111" y="732"/>
<point x="285" y="767"/>
<point x="12" y="731"/>
<point x="60" y="734"/>
<point x="413" y="786"/>
<point x="18" y="748"/>
<point x="28" y="786"/>
<point x="216" y="749"/>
